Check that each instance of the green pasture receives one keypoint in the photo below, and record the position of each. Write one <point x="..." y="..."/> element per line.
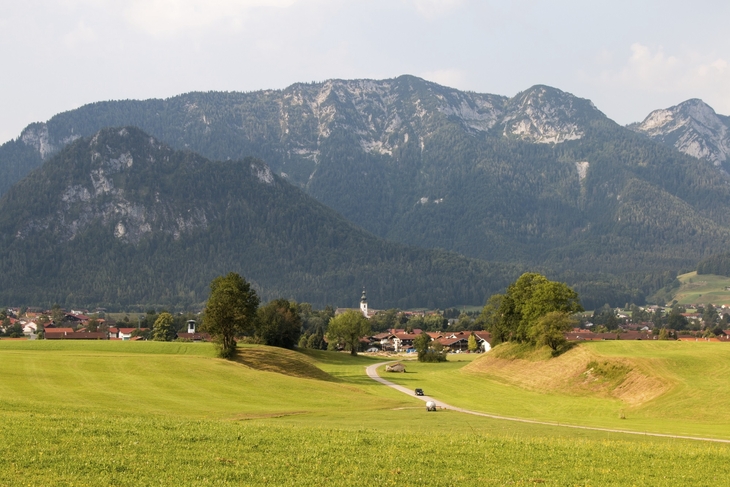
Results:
<point x="703" y="289"/>
<point x="123" y="413"/>
<point x="698" y="372"/>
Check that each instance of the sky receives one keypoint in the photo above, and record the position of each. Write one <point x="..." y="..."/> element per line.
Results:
<point x="628" y="57"/>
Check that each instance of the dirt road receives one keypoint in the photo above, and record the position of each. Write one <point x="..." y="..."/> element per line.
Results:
<point x="372" y="372"/>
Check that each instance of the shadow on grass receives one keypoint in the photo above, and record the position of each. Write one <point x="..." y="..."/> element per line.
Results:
<point x="281" y="361"/>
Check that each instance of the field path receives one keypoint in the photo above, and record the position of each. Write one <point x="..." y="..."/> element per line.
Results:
<point x="372" y="372"/>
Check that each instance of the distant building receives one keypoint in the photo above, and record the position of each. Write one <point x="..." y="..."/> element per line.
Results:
<point x="364" y="304"/>
<point x="366" y="312"/>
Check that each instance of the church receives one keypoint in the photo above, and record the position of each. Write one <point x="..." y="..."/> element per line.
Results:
<point x="366" y="312"/>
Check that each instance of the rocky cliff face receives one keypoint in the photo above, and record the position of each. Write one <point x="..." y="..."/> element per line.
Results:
<point x="111" y="163"/>
<point x="692" y="127"/>
<point x="382" y="116"/>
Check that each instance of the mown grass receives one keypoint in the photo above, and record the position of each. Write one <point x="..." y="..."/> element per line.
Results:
<point x="696" y="376"/>
<point x="417" y="449"/>
<point x="124" y="414"/>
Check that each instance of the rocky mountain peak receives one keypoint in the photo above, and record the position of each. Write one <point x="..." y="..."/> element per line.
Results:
<point x="114" y="177"/>
<point x="692" y="127"/>
<point x="543" y="114"/>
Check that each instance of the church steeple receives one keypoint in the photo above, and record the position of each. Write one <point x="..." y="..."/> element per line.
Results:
<point x="364" y="303"/>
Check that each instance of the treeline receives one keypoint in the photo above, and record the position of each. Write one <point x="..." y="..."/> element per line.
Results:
<point x="716" y="264"/>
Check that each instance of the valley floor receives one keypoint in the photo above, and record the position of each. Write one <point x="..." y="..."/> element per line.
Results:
<point x="120" y="413"/>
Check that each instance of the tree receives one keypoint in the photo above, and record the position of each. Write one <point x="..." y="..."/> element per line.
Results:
<point x="472" y="344"/>
<point x="428" y="350"/>
<point x="229" y="312"/>
<point x="347" y="329"/>
<point x="529" y="298"/>
<point x="163" y="329"/>
<point x="57" y="313"/>
<point x="675" y="320"/>
<point x="435" y="322"/>
<point x="92" y="325"/>
<point x="490" y="320"/>
<point x="421" y="344"/>
<point x="316" y="341"/>
<point x="278" y="324"/>
<point x="709" y="316"/>
<point x="550" y="330"/>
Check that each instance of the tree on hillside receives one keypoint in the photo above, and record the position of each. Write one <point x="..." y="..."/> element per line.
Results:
<point x="162" y="330"/>
<point x="230" y="311"/>
<point x="550" y="330"/>
<point x="528" y="299"/>
<point x="347" y="328"/>
<point x="278" y="324"/>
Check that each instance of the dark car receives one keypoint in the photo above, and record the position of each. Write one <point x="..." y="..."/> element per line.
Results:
<point x="419" y="392"/>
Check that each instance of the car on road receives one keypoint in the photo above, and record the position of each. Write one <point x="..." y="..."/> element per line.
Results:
<point x="419" y="392"/>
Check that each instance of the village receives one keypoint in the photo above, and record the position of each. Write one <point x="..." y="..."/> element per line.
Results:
<point x="464" y="334"/>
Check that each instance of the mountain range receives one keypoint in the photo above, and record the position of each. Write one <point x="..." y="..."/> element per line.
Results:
<point x="122" y="219"/>
<point x="539" y="179"/>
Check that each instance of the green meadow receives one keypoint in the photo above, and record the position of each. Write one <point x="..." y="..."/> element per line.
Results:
<point x="703" y="289"/>
<point x="122" y="413"/>
<point x="668" y="387"/>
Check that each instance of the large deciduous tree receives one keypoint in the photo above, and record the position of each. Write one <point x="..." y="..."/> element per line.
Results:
<point x="278" y="324"/>
<point x="550" y="330"/>
<point x="526" y="301"/>
<point x="347" y="329"/>
<point x="230" y="311"/>
<point x="163" y="328"/>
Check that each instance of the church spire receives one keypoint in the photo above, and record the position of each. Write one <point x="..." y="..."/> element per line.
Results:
<point x="364" y="303"/>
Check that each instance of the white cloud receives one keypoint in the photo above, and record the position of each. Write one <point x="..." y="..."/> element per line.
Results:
<point x="651" y="73"/>
<point x="165" y="18"/>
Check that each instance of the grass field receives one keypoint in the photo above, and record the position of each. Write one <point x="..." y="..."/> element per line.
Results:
<point x="704" y="289"/>
<point x="120" y="413"/>
<point x="663" y="386"/>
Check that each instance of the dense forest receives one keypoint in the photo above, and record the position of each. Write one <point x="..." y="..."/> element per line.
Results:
<point x="125" y="220"/>
<point x="606" y="210"/>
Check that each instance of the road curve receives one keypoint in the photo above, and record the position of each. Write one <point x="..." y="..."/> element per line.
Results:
<point x="372" y="372"/>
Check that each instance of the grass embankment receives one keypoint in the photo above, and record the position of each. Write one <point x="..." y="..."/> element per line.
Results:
<point x="663" y="387"/>
<point x="119" y="413"/>
<point x="703" y="289"/>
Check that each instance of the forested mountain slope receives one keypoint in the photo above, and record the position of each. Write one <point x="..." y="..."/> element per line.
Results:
<point x="120" y="218"/>
<point x="543" y="178"/>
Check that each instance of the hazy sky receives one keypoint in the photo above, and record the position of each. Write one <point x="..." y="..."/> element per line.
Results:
<point x="628" y="57"/>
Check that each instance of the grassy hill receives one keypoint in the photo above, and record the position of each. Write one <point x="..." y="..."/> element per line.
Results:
<point x="703" y="289"/>
<point x="659" y="386"/>
<point x="115" y="413"/>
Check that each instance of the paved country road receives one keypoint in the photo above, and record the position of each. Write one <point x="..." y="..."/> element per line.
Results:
<point x="372" y="372"/>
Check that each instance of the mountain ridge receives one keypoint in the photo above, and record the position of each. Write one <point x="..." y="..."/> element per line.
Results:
<point x="542" y="179"/>
<point x="692" y="127"/>
<point x="126" y="220"/>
